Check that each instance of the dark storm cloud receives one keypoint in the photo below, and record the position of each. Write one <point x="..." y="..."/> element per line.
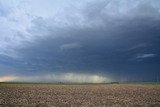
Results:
<point x="116" y="38"/>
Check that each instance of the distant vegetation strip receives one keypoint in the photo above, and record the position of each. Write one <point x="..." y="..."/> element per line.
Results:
<point x="58" y="83"/>
<point x="61" y="83"/>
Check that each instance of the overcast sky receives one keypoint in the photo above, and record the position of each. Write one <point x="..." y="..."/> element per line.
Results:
<point x="79" y="40"/>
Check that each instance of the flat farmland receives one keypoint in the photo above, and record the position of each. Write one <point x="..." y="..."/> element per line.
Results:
<point x="89" y="95"/>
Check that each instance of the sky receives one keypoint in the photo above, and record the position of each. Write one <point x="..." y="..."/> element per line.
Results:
<point x="79" y="40"/>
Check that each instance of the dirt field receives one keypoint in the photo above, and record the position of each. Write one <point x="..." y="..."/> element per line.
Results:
<point x="111" y="95"/>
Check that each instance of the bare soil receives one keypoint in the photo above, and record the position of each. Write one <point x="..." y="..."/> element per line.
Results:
<point x="111" y="95"/>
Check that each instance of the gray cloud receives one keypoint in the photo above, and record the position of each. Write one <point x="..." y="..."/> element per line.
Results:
<point x="145" y="56"/>
<point x="69" y="46"/>
<point x="96" y="34"/>
<point x="107" y="15"/>
<point x="141" y="45"/>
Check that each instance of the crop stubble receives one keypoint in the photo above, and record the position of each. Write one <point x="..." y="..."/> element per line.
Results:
<point x="113" y="95"/>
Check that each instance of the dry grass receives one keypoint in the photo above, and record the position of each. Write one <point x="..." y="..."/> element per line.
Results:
<point x="113" y="95"/>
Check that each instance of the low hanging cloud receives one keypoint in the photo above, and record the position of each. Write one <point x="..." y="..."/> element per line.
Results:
<point x="63" y="77"/>
<point x="145" y="56"/>
<point x="7" y="78"/>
